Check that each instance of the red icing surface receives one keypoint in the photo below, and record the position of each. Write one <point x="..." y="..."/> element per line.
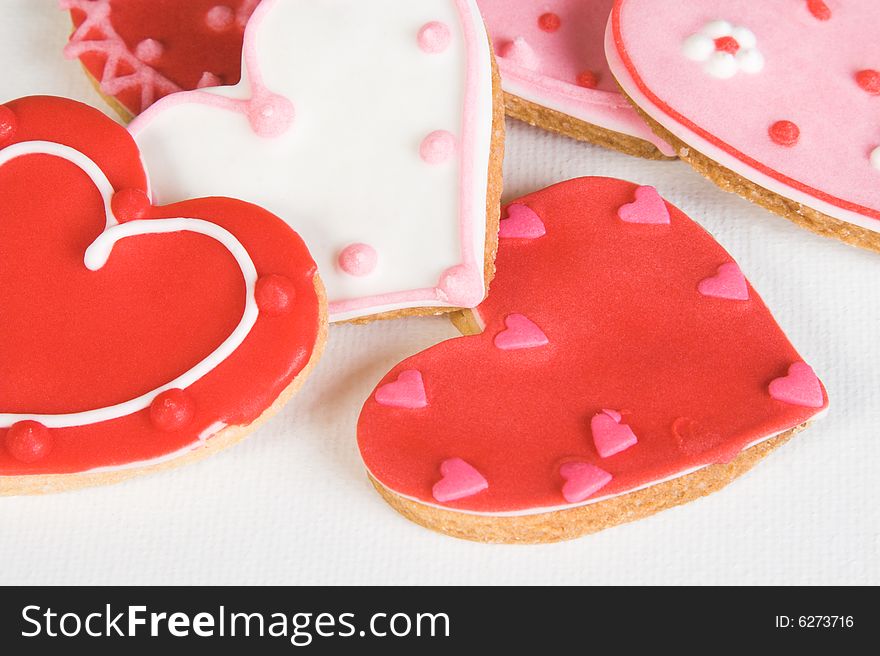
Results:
<point x="191" y="47"/>
<point x="627" y="329"/>
<point x="73" y="339"/>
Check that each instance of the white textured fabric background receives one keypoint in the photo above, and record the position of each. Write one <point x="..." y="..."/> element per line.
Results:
<point x="292" y="504"/>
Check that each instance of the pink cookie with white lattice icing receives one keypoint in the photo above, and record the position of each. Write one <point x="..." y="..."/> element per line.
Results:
<point x="554" y="71"/>
<point x="778" y="101"/>
<point x="375" y="131"/>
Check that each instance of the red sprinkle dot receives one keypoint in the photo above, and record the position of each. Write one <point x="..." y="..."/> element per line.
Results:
<point x="727" y="44"/>
<point x="130" y="204"/>
<point x="172" y="410"/>
<point x="869" y="80"/>
<point x="549" y="22"/>
<point x="819" y="9"/>
<point x="785" y="133"/>
<point x="8" y="124"/>
<point x="28" y="441"/>
<point x="275" y="295"/>
<point x="588" y="80"/>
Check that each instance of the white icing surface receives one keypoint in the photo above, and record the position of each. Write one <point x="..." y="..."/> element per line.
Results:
<point x="348" y="170"/>
<point x="96" y="256"/>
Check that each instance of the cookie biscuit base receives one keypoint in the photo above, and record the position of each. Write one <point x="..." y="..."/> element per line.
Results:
<point x="724" y="178"/>
<point x="568" y="126"/>
<point x="571" y="523"/>
<point x="229" y="436"/>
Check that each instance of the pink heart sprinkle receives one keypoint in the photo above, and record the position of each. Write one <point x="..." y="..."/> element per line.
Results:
<point x="459" y="480"/>
<point x="522" y="223"/>
<point x="408" y="391"/>
<point x="729" y="283"/>
<point x="582" y="480"/>
<point x="609" y="435"/>
<point x="648" y="207"/>
<point x="800" y="387"/>
<point x="521" y="333"/>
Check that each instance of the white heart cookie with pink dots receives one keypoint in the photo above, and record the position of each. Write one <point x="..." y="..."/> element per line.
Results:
<point x="366" y="125"/>
<point x="778" y="100"/>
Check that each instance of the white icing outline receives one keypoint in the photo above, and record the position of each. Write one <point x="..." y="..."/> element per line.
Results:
<point x="96" y="257"/>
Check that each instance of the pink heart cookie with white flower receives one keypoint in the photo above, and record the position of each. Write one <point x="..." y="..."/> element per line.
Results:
<point x="134" y="337"/>
<point x="555" y="75"/>
<point x="374" y="128"/>
<point x="778" y="101"/>
<point x="609" y="381"/>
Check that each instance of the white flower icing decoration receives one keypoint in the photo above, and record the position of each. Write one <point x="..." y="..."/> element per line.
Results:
<point x="724" y="49"/>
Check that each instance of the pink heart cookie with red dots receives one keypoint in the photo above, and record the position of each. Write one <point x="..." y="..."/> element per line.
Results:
<point x="139" y="51"/>
<point x="373" y="128"/>
<point x="778" y="101"/>
<point x="134" y="336"/>
<point x="640" y="384"/>
<point x="555" y="75"/>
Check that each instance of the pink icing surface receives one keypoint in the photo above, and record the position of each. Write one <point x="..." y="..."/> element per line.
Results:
<point x="809" y="79"/>
<point x="560" y="57"/>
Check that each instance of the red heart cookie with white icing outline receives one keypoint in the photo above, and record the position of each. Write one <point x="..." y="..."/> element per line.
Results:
<point x="778" y="101"/>
<point x="555" y="75"/>
<point x="139" y="51"/>
<point x="639" y="386"/>
<point x="133" y="336"/>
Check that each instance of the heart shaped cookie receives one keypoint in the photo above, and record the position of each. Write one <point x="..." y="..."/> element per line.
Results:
<point x="138" y="51"/>
<point x="555" y="75"/>
<point x="644" y="392"/>
<point x="134" y="336"/>
<point x="778" y="101"/>
<point x="373" y="128"/>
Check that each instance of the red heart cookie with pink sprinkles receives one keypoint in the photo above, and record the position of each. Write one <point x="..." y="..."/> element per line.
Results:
<point x="134" y="337"/>
<point x="622" y="367"/>
<point x="778" y="101"/>
<point x="139" y="51"/>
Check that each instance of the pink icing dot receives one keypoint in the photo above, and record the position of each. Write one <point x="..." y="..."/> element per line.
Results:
<point x="549" y="22"/>
<point x="434" y="37"/>
<point x="270" y="115"/>
<point x="149" y="51"/>
<point x="358" y="260"/>
<point x="208" y="80"/>
<point x="869" y="80"/>
<point x="437" y="147"/>
<point x="785" y="133"/>
<point x="462" y="285"/>
<point x="8" y="124"/>
<point x="219" y="18"/>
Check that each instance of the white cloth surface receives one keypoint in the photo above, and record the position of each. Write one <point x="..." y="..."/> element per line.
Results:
<point x="292" y="505"/>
